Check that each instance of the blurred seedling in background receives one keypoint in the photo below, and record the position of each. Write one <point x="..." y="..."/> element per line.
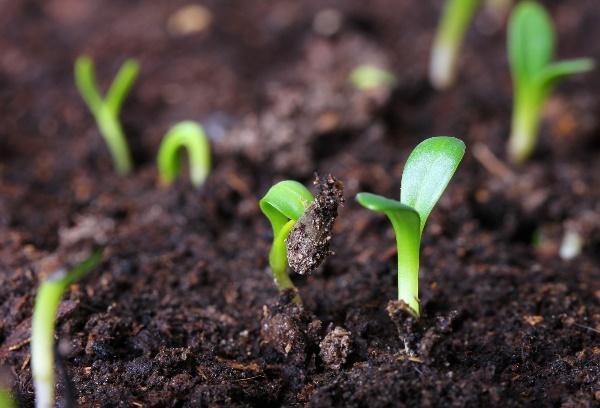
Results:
<point x="191" y="136"/>
<point x="531" y="44"/>
<point x="106" y="110"/>
<point x="454" y="22"/>
<point x="302" y="227"/>
<point x="367" y="77"/>
<point x="426" y="174"/>
<point x="43" y="323"/>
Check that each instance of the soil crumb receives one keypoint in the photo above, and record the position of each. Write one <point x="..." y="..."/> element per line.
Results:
<point x="308" y="241"/>
<point x="335" y="348"/>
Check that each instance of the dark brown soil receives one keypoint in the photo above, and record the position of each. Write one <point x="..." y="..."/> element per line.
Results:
<point x="183" y="312"/>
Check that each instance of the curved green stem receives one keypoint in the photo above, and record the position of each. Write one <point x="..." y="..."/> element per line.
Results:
<point x="278" y="261"/>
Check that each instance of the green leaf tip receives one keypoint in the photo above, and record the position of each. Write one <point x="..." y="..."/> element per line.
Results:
<point x="283" y="205"/>
<point x="531" y="46"/>
<point x="106" y="110"/>
<point x="187" y="135"/>
<point x="427" y="172"/>
<point x="366" y="77"/>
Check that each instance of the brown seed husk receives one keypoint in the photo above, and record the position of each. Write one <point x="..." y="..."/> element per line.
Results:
<point x="308" y="242"/>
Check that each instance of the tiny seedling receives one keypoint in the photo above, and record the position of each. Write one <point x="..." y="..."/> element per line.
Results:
<point x="426" y="174"/>
<point x="531" y="44"/>
<point x="367" y="77"/>
<point x="106" y="111"/>
<point x="283" y="205"/>
<point x="191" y="136"/>
<point x="42" y="326"/>
<point x="453" y="25"/>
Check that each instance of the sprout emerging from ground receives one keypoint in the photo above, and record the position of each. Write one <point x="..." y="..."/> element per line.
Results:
<point x="301" y="227"/>
<point x="106" y="111"/>
<point x="42" y="327"/>
<point x="366" y="77"/>
<point x="453" y="25"/>
<point x="191" y="136"/>
<point x="531" y="44"/>
<point x="426" y="174"/>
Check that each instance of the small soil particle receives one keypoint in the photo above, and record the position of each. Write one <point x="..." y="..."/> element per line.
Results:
<point x="335" y="348"/>
<point x="308" y="242"/>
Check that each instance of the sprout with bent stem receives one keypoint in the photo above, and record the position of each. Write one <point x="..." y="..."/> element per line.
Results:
<point x="43" y="322"/>
<point x="191" y="136"/>
<point x="531" y="44"/>
<point x="453" y="25"/>
<point x="426" y="174"/>
<point x="283" y="205"/>
<point x="106" y="111"/>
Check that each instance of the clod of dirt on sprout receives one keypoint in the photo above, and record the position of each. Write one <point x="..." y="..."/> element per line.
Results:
<point x="106" y="110"/>
<point x="283" y="205"/>
<point x="191" y="136"/>
<point x="426" y="174"/>
<point x="368" y="77"/>
<point x="571" y="245"/>
<point x="531" y="44"/>
<point x="335" y="348"/>
<point x="308" y="241"/>
<point x="43" y="322"/>
<point x="453" y="25"/>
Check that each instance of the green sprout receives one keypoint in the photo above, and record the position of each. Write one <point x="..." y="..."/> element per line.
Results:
<point x="366" y="77"/>
<point x="191" y="136"/>
<point x="43" y="322"/>
<point x="426" y="174"/>
<point x="453" y="25"/>
<point x="283" y="205"/>
<point x="531" y="44"/>
<point x="106" y="111"/>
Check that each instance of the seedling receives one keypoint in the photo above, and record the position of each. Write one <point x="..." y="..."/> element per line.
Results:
<point x="455" y="20"/>
<point x="106" y="111"/>
<point x="531" y="44"/>
<point x="42" y="327"/>
<point x="191" y="136"/>
<point x="426" y="174"/>
<point x="283" y="205"/>
<point x="366" y="77"/>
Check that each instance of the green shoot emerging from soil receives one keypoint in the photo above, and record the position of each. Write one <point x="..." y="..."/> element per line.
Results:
<point x="283" y="205"/>
<point x="42" y="327"/>
<point x="531" y="43"/>
<point x="106" y="111"/>
<point x="191" y="136"/>
<point x="453" y="25"/>
<point x="366" y="77"/>
<point x="426" y="174"/>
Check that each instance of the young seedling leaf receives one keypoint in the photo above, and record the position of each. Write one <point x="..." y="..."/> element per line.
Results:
<point x="191" y="136"/>
<point x="283" y="205"/>
<point x="106" y="111"/>
<point x="428" y="171"/>
<point x="426" y="174"/>
<point x="46" y="305"/>
<point x="531" y="43"/>
<point x="366" y="77"/>
<point x="530" y="40"/>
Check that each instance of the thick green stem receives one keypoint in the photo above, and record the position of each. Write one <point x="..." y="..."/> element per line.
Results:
<point x="525" y="126"/>
<point x="453" y="25"/>
<point x="113" y="134"/>
<point x="408" y="244"/>
<point x="278" y="261"/>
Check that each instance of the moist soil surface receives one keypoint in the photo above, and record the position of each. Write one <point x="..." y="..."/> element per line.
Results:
<point x="183" y="312"/>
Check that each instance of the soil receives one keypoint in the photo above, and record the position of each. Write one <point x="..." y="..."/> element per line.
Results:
<point x="182" y="311"/>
